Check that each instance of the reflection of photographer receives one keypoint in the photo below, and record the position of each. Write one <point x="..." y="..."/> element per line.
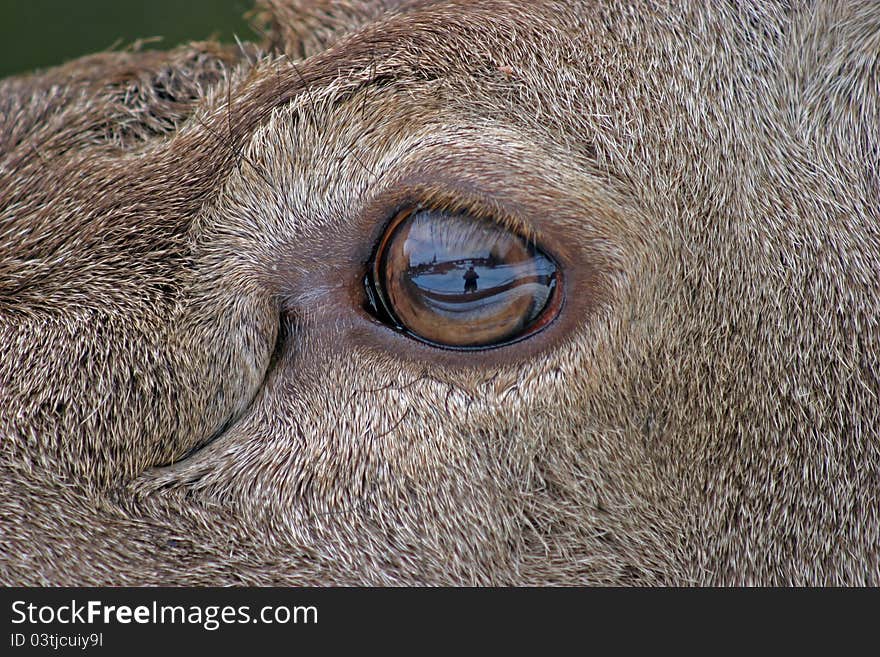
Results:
<point x="470" y="279"/>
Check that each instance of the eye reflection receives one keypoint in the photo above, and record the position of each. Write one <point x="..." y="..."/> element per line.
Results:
<point x="459" y="282"/>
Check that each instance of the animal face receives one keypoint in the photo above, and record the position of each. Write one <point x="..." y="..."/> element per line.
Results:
<point x="448" y="293"/>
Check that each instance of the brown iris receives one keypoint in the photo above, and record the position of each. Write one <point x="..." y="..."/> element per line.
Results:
<point x="459" y="282"/>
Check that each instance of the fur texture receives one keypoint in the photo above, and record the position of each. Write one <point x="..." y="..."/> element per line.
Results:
<point x="191" y="392"/>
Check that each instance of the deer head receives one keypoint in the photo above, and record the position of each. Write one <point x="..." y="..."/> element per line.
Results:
<point x="240" y="343"/>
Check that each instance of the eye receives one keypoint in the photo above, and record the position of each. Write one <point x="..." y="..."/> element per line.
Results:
<point x="460" y="282"/>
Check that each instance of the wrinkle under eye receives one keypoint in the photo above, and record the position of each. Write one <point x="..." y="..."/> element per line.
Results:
<point x="459" y="282"/>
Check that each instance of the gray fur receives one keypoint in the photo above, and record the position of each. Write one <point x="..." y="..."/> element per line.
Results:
<point x="190" y="392"/>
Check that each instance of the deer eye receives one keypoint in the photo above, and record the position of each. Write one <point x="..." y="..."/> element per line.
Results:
<point x="458" y="282"/>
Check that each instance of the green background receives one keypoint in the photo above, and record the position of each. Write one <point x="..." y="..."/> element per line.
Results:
<point x="40" y="33"/>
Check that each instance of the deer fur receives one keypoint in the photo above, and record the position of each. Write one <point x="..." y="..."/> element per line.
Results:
<point x="191" y="392"/>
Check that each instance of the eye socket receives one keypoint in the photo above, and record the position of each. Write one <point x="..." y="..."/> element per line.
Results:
<point x="459" y="282"/>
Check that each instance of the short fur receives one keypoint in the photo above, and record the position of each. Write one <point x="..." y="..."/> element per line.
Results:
<point x="191" y="392"/>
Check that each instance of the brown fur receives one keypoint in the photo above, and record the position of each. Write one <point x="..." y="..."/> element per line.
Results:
<point x="190" y="392"/>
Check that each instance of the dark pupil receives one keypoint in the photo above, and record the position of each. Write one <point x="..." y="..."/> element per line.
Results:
<point x="459" y="282"/>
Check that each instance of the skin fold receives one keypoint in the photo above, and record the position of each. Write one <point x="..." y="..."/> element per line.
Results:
<point x="192" y="388"/>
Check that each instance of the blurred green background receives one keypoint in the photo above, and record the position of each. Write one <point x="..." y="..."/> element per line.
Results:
<point x="41" y="33"/>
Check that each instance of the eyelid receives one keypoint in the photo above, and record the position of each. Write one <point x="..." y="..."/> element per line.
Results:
<point x="575" y="217"/>
<point x="455" y="201"/>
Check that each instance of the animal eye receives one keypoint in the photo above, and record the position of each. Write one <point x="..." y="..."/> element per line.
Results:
<point x="459" y="282"/>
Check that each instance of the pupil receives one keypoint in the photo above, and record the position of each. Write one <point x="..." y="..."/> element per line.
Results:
<point x="458" y="282"/>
